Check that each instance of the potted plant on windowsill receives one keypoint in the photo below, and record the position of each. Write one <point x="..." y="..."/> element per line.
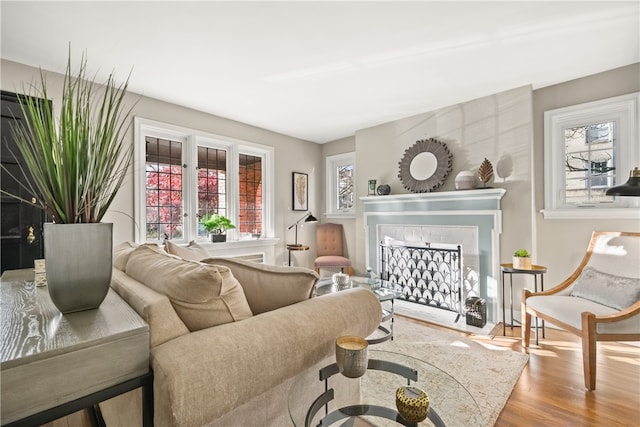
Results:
<point x="77" y="162"/>
<point x="217" y="226"/>
<point x="522" y="260"/>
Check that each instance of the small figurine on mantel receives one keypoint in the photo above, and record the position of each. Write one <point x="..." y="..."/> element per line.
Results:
<point x="485" y="172"/>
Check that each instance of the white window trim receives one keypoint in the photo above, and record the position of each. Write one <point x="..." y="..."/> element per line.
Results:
<point x="332" y="162"/>
<point x="623" y="109"/>
<point x="189" y="137"/>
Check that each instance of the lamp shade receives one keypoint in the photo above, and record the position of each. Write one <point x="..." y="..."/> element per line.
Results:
<point x="311" y="218"/>
<point x="630" y="188"/>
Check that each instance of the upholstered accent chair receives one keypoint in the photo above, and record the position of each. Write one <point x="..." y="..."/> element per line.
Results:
<point x="329" y="248"/>
<point x="600" y="301"/>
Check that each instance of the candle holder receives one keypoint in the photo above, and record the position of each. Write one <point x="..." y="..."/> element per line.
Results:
<point x="352" y="356"/>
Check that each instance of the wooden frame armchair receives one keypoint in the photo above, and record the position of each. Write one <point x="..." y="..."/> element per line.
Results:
<point x="600" y="301"/>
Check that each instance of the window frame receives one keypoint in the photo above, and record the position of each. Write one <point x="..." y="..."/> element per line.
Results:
<point x="191" y="139"/>
<point x="622" y="109"/>
<point x="331" y="180"/>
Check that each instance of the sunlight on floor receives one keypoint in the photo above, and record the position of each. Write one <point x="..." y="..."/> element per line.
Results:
<point x="543" y="353"/>
<point x="635" y="361"/>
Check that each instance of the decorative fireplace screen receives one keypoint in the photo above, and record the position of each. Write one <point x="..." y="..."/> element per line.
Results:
<point x="428" y="274"/>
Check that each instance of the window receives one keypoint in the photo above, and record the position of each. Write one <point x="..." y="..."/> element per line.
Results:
<point x="250" y="194"/>
<point x="340" y="181"/>
<point x="212" y="183"/>
<point x="589" y="148"/>
<point x="163" y="176"/>
<point x="187" y="174"/>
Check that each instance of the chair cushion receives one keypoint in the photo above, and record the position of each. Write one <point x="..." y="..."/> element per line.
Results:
<point x="192" y="251"/>
<point x="203" y="295"/>
<point x="568" y="309"/>
<point x="613" y="291"/>
<point x="332" y="261"/>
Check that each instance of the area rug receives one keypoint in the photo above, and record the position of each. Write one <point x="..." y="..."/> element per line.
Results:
<point x="487" y="372"/>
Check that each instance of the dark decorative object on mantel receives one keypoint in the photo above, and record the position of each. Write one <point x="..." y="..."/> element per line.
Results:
<point x="425" y="165"/>
<point x="485" y="172"/>
<point x="384" y="189"/>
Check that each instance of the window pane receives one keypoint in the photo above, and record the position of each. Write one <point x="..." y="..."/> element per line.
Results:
<point x="163" y="189"/>
<point x="589" y="162"/>
<point x="345" y="187"/>
<point x="250" y="197"/>
<point x="212" y="189"/>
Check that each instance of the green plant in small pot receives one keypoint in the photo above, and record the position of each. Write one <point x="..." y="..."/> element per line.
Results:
<point x="522" y="260"/>
<point x="77" y="162"/>
<point x="217" y="226"/>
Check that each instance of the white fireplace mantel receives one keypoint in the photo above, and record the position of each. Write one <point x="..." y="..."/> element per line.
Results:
<point x="474" y="199"/>
<point x="421" y="213"/>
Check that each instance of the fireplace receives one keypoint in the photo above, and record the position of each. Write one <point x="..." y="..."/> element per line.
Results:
<point x="470" y="219"/>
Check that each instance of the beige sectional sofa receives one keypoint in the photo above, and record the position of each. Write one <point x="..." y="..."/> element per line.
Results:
<point x="220" y="359"/>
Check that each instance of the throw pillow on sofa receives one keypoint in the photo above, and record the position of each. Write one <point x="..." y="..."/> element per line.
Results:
<point x="203" y="295"/>
<point x="121" y="254"/>
<point x="192" y="251"/>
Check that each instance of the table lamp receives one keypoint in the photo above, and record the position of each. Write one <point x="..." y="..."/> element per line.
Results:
<point x="307" y="218"/>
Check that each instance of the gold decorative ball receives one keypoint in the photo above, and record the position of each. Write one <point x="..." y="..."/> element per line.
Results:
<point x="412" y="403"/>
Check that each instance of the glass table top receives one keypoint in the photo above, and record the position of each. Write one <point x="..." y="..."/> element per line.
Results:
<point x="450" y="404"/>
<point x="384" y="289"/>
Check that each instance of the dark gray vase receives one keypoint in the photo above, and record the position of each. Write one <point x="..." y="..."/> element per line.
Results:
<point x="78" y="264"/>
<point x="218" y="238"/>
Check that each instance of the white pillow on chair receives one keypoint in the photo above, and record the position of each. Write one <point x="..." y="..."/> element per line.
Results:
<point x="613" y="291"/>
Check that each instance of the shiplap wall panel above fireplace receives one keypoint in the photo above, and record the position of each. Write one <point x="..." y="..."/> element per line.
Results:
<point x="471" y="218"/>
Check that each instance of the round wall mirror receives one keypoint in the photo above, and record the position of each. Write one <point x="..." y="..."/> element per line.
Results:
<point x="425" y="165"/>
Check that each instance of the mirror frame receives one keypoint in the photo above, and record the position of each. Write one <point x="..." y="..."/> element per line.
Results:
<point x="445" y="163"/>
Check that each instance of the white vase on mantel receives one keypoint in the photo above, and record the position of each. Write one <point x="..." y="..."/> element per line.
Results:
<point x="465" y="181"/>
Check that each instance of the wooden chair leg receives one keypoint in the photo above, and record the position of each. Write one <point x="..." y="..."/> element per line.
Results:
<point x="589" y="350"/>
<point x="526" y="320"/>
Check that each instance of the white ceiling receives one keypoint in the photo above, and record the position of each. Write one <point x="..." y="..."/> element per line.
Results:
<point x="322" y="70"/>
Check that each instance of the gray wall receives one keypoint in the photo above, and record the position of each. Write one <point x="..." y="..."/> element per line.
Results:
<point x="561" y="243"/>
<point x="291" y="154"/>
<point x="496" y="127"/>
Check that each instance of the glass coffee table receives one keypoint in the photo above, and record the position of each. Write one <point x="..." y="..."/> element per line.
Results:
<point x="370" y="400"/>
<point x="386" y="292"/>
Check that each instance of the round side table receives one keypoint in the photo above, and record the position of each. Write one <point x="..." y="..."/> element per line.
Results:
<point x="291" y="247"/>
<point x="535" y="271"/>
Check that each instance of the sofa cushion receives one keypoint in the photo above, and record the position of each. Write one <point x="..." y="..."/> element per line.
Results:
<point x="203" y="295"/>
<point x="192" y="251"/>
<point x="613" y="291"/>
<point x="268" y="287"/>
<point x="121" y="254"/>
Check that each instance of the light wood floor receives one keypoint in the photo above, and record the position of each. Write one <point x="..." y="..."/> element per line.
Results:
<point x="550" y="391"/>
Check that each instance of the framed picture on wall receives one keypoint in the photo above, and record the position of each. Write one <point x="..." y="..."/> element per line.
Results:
<point x="300" y="184"/>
